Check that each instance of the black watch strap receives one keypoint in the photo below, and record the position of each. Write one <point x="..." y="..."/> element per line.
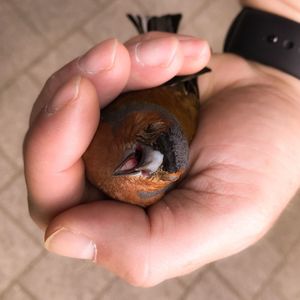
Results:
<point x="266" y="38"/>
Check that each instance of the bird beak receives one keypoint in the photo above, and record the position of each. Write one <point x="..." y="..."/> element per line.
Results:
<point x="142" y="161"/>
<point x="128" y="166"/>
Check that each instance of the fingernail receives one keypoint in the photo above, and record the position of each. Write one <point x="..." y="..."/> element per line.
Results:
<point x="156" y="53"/>
<point x="194" y="48"/>
<point x="100" y="58"/>
<point x="65" y="95"/>
<point x="72" y="244"/>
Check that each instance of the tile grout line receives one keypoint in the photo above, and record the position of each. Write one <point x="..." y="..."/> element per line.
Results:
<point x="140" y="5"/>
<point x="6" y="291"/>
<point x="52" y="45"/>
<point x="27" y="21"/>
<point x="278" y="292"/>
<point x="10" y="81"/>
<point x="182" y="284"/>
<point x="86" y="35"/>
<point x="105" y="289"/>
<point x="15" y="280"/>
<point x="277" y="269"/>
<point x="10" y="161"/>
<point x="206" y="3"/>
<point x="11" y="217"/>
<point x="37" y="30"/>
<point x="97" y="3"/>
<point x="24" y="230"/>
<point x="10" y="181"/>
<point x="190" y="287"/>
<point x="270" y="278"/>
<point x="32" y="296"/>
<point x="227" y="283"/>
<point x="34" y="80"/>
<point x="194" y="13"/>
<point x="16" y="171"/>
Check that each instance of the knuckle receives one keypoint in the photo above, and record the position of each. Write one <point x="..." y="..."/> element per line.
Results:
<point x="37" y="217"/>
<point x="137" y="279"/>
<point x="137" y="272"/>
<point x="136" y="276"/>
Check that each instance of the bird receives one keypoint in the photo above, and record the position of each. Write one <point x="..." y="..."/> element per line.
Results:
<point x="140" y="150"/>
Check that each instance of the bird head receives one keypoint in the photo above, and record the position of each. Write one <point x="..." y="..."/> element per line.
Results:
<point x="137" y="154"/>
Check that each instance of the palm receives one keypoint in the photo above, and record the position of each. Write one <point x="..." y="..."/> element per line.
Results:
<point x="244" y="170"/>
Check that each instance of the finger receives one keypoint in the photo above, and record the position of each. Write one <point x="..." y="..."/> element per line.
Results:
<point x="109" y="62"/>
<point x="176" y="237"/>
<point x="107" y="65"/>
<point x="54" y="145"/>
<point x="157" y="57"/>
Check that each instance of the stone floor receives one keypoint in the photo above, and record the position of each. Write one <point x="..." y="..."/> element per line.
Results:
<point x="37" y="37"/>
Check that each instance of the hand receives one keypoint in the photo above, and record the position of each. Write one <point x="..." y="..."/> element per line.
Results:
<point x="244" y="160"/>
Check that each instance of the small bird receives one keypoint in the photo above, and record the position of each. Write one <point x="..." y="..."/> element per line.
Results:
<point x="141" y="147"/>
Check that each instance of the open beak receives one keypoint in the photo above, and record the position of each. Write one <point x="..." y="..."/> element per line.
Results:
<point x="142" y="160"/>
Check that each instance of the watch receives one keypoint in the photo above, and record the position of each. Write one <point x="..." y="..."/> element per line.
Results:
<point x="266" y="38"/>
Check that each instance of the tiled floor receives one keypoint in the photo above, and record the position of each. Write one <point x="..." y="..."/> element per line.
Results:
<point x="37" y="37"/>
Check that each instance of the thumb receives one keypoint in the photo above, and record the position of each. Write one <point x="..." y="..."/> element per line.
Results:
<point x="54" y="145"/>
<point x="114" y="235"/>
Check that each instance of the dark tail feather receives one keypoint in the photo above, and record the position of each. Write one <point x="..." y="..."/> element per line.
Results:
<point x="166" y="23"/>
<point x="179" y="79"/>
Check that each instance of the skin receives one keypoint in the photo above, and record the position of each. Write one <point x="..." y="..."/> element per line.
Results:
<point x="244" y="159"/>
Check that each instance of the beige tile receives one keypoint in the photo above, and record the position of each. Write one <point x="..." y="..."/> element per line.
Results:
<point x="61" y="278"/>
<point x="122" y="291"/>
<point x="210" y="287"/>
<point x="161" y="7"/>
<point x="15" y="106"/>
<point x="103" y="3"/>
<point x="189" y="279"/>
<point x="112" y="22"/>
<point x="13" y="200"/>
<point x="248" y="270"/>
<point x="123" y="29"/>
<point x="188" y="8"/>
<point x="288" y="279"/>
<point x="16" y="292"/>
<point x="286" y="231"/>
<point x="270" y="292"/>
<point x="19" y="44"/>
<point x="73" y="46"/>
<point x="55" y="18"/>
<point x="16" y="251"/>
<point x="7" y="171"/>
<point x="213" y="22"/>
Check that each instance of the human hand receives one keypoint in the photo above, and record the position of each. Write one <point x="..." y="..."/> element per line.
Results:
<point x="244" y="162"/>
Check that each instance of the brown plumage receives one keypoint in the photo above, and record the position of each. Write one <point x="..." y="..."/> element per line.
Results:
<point x="141" y="147"/>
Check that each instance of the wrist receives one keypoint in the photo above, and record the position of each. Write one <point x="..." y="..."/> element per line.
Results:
<point x="289" y="8"/>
